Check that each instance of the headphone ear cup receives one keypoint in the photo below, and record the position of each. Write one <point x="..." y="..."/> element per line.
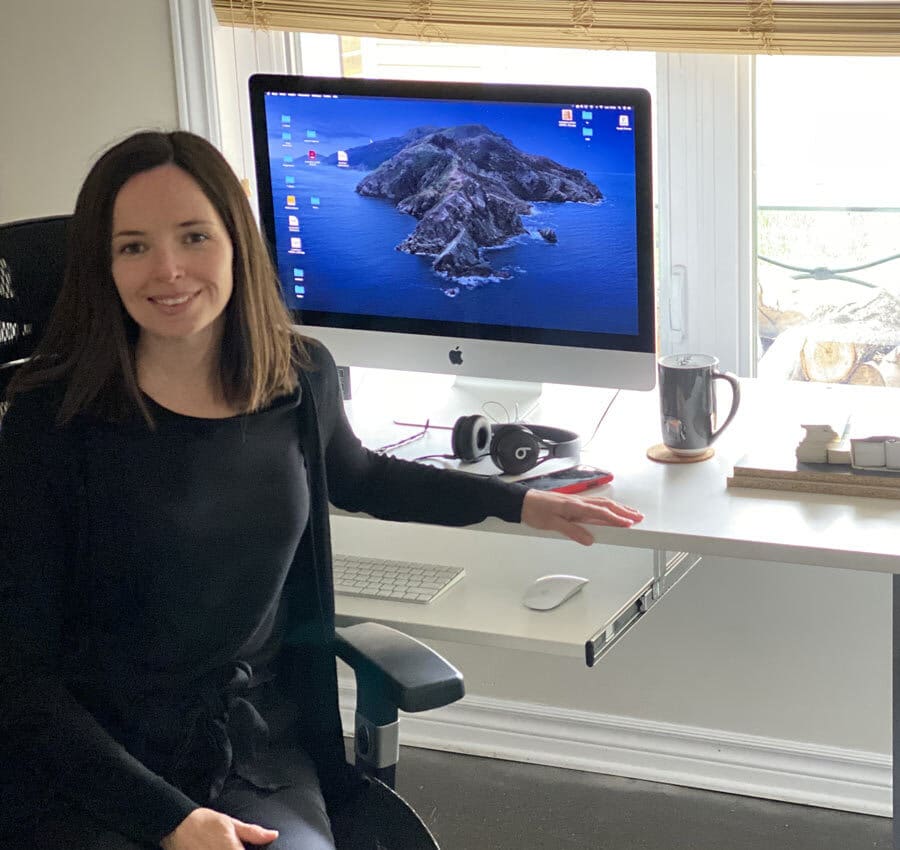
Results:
<point x="470" y="438"/>
<point x="515" y="449"/>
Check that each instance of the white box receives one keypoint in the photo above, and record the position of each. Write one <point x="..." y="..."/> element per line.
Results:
<point x="868" y="452"/>
<point x="892" y="453"/>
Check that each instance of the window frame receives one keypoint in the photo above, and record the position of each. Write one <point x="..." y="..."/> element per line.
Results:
<point x="706" y="273"/>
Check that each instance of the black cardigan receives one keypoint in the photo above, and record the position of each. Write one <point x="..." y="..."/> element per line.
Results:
<point x="50" y="744"/>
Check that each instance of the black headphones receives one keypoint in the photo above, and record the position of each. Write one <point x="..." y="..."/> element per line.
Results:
<point x="513" y="448"/>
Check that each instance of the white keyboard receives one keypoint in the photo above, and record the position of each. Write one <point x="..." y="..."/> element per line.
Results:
<point x="397" y="581"/>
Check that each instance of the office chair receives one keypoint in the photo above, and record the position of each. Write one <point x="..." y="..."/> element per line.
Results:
<point x="393" y="671"/>
<point x="32" y="254"/>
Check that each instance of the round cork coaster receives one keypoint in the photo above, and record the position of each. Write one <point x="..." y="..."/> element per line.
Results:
<point x="663" y="454"/>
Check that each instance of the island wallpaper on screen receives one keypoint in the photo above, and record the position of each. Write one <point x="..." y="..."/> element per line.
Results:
<point x="509" y="214"/>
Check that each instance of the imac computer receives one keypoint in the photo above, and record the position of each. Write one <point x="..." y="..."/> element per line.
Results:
<point x="488" y="231"/>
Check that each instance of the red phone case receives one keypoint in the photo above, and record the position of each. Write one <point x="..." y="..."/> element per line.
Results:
<point x="601" y="477"/>
<point x="578" y="486"/>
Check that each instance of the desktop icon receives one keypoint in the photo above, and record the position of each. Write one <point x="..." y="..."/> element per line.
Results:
<point x="299" y="291"/>
<point x="285" y="119"/>
<point x="285" y="137"/>
<point x="314" y="200"/>
<point x="287" y="161"/>
<point x="587" y="116"/>
<point x="293" y="222"/>
<point x="290" y="201"/>
<point x="296" y="244"/>
<point x="289" y="180"/>
<point x="311" y="134"/>
<point x="624" y="121"/>
<point x="587" y="132"/>
<point x="342" y="157"/>
<point x="311" y="155"/>
<point x="298" y="274"/>
<point x="567" y="114"/>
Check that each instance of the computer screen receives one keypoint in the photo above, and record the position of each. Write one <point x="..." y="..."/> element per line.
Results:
<point x="497" y="231"/>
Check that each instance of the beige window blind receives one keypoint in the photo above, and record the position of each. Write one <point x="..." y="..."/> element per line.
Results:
<point x="866" y="27"/>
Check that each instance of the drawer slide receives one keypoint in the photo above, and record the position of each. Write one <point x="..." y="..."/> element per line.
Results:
<point x="668" y="569"/>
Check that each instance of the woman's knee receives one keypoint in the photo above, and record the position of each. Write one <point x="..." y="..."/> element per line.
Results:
<point x="296" y="810"/>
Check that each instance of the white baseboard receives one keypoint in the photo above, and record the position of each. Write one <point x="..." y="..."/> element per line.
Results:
<point x="772" y="769"/>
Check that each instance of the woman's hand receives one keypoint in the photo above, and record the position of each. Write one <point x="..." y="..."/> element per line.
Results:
<point x="206" y="829"/>
<point x="560" y="512"/>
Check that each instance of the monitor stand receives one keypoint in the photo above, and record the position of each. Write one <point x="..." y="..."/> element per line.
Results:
<point x="441" y="403"/>
<point x="501" y="401"/>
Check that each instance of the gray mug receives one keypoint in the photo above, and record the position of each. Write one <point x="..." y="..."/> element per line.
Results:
<point x="687" y="401"/>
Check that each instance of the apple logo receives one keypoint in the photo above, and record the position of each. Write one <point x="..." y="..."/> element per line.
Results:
<point x="455" y="356"/>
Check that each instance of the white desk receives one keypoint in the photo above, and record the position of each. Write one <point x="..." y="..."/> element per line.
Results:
<point x="485" y="608"/>
<point x="687" y="508"/>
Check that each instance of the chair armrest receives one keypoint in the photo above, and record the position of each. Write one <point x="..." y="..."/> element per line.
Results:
<point x="399" y="668"/>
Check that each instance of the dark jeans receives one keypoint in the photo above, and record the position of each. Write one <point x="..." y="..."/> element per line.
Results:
<point x="298" y="813"/>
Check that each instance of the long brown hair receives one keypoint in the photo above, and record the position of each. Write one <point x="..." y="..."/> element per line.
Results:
<point x="90" y="338"/>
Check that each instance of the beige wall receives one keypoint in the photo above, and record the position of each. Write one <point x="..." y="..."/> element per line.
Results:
<point x="75" y="76"/>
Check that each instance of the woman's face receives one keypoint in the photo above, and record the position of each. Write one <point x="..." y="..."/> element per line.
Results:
<point x="171" y="257"/>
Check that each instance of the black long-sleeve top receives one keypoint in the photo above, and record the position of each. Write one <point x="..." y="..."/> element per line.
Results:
<point x="150" y="578"/>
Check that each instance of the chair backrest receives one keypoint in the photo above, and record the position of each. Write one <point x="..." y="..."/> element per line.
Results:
<point x="32" y="261"/>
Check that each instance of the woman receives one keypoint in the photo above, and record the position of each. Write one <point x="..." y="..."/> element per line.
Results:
<point x="166" y="670"/>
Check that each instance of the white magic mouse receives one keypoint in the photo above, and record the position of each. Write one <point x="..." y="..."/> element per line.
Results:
<point x="547" y="592"/>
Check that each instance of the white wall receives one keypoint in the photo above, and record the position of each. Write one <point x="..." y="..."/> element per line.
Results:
<point x="75" y="77"/>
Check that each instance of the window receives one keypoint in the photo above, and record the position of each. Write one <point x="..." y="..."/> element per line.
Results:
<point x="828" y="219"/>
<point x="776" y="177"/>
<point x="398" y="59"/>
